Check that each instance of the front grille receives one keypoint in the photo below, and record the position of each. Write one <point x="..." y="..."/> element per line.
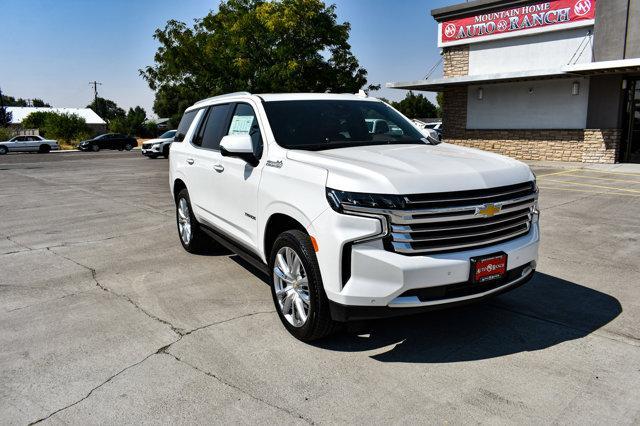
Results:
<point x="146" y="145"/>
<point x="450" y="221"/>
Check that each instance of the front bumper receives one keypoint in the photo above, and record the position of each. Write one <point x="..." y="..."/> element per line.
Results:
<point x="362" y="277"/>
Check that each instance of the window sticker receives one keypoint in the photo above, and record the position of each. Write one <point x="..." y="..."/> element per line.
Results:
<point x="241" y="124"/>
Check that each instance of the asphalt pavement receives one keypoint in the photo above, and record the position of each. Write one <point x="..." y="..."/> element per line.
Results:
<point x="104" y="318"/>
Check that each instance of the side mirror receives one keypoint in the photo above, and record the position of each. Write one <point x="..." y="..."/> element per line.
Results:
<point x="239" y="146"/>
<point x="431" y="135"/>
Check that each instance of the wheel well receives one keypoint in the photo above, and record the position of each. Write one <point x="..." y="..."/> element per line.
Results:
<point x="277" y="224"/>
<point x="178" y="186"/>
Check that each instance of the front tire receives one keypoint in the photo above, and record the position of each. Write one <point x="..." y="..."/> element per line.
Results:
<point x="191" y="236"/>
<point x="95" y="148"/>
<point x="297" y="288"/>
<point x="128" y="147"/>
<point x="3" y="150"/>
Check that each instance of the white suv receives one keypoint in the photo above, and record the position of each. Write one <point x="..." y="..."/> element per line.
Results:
<point x="350" y="223"/>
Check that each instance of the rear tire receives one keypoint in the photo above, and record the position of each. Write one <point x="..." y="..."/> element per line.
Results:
<point x="304" y="307"/>
<point x="3" y="150"/>
<point x="192" y="238"/>
<point x="44" y="149"/>
<point x="128" y="147"/>
<point x="165" y="152"/>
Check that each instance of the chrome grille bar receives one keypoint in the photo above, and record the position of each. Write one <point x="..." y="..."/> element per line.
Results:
<point x="451" y="221"/>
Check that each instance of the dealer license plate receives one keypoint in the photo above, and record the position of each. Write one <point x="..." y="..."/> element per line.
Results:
<point x="488" y="268"/>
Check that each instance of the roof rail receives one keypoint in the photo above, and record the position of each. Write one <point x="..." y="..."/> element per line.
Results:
<point x="226" y="95"/>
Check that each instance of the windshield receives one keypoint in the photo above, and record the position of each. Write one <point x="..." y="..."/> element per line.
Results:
<point x="327" y="124"/>
<point x="167" y="135"/>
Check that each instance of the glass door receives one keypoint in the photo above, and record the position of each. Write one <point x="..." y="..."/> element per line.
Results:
<point x="632" y="152"/>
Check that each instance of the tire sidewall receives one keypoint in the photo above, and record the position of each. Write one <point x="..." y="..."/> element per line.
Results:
<point x="288" y="239"/>
<point x="192" y="247"/>
<point x="3" y="150"/>
<point x="128" y="147"/>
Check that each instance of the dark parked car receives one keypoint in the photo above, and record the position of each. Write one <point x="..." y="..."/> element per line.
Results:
<point x="109" y="141"/>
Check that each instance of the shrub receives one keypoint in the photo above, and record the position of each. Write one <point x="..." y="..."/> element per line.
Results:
<point x="5" y="134"/>
<point x="67" y="128"/>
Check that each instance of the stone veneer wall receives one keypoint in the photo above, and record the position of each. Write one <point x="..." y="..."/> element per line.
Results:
<point x="580" y="145"/>
<point x="455" y="61"/>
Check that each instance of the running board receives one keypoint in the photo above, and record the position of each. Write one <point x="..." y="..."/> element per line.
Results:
<point x="236" y="248"/>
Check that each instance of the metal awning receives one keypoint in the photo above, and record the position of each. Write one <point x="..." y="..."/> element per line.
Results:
<point x="625" y="66"/>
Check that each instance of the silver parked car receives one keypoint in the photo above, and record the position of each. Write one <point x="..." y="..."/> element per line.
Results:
<point x="160" y="146"/>
<point x="29" y="143"/>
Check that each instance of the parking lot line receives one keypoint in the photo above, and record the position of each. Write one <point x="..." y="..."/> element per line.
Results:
<point x="568" y="182"/>
<point x="618" y="194"/>
<point x="603" y="178"/>
<point x="607" y="172"/>
<point x="557" y="173"/>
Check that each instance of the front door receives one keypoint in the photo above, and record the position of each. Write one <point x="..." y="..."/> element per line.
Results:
<point x="237" y="181"/>
<point x="631" y="153"/>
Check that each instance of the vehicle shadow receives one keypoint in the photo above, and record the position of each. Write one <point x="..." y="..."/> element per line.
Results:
<point x="545" y="312"/>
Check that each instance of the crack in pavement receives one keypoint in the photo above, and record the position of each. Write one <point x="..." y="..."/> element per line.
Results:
<point x="173" y="328"/>
<point x="244" y="392"/>
<point x="164" y="350"/>
<point x="181" y="333"/>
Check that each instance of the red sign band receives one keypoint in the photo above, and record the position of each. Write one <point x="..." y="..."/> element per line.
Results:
<point x="538" y="15"/>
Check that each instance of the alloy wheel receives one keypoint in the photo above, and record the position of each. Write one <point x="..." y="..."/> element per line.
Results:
<point x="291" y="287"/>
<point x="184" y="221"/>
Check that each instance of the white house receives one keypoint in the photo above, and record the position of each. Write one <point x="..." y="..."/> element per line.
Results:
<point x="93" y="120"/>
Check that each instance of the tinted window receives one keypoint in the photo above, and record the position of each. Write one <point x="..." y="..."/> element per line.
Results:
<point x="212" y="130"/>
<point x="184" y="125"/>
<point x="326" y="124"/>
<point x="167" y="135"/>
<point x="244" y="122"/>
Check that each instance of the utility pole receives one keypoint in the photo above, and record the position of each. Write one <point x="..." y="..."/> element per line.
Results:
<point x="95" y="95"/>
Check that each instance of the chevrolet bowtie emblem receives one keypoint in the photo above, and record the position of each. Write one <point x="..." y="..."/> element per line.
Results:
<point x="488" y="210"/>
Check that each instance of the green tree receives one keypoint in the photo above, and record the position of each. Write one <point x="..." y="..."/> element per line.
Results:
<point x="63" y="127"/>
<point x="254" y="45"/>
<point x="39" y="103"/>
<point x="19" y="102"/>
<point x="5" y="116"/>
<point x="440" y="101"/>
<point x="131" y="124"/>
<point x="106" y="109"/>
<point x="416" y="106"/>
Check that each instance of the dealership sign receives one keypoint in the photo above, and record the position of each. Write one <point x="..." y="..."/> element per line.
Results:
<point x="520" y="20"/>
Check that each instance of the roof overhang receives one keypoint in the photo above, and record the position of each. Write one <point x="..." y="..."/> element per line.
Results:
<point x="625" y="66"/>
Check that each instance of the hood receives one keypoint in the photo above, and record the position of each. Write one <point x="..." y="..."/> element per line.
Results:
<point x="158" y="140"/>
<point x="412" y="169"/>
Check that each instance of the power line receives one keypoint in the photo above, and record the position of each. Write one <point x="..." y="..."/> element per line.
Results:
<point x="95" y="91"/>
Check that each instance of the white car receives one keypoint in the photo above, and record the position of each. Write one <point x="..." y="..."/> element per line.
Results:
<point x="350" y="224"/>
<point x="153" y="148"/>
<point x="30" y="143"/>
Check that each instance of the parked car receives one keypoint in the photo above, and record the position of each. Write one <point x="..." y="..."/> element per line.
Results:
<point x="160" y="146"/>
<point x="29" y="143"/>
<point x="350" y="224"/>
<point x="109" y="141"/>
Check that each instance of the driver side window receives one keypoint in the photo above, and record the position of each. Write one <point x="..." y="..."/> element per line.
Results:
<point x="245" y="122"/>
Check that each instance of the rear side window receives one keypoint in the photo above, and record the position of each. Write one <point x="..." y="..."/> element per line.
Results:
<point x="212" y="130"/>
<point x="184" y="125"/>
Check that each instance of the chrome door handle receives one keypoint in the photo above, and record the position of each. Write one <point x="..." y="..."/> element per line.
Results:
<point x="218" y="168"/>
<point x="190" y="160"/>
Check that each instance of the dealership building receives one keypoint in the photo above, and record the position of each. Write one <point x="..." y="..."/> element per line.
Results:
<point x="555" y="80"/>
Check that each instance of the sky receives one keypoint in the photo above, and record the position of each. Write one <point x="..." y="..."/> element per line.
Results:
<point x="52" y="49"/>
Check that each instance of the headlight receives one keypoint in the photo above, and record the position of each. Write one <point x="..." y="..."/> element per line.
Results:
<point x="341" y="200"/>
<point x="155" y="146"/>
